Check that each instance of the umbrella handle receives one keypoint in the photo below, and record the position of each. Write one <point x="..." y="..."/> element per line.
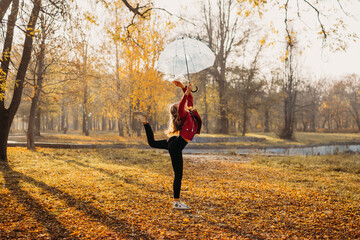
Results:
<point x="194" y="91"/>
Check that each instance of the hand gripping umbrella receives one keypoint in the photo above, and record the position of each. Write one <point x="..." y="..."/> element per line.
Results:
<point x="185" y="56"/>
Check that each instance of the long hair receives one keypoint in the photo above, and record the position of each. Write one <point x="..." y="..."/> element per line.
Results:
<point x="175" y="123"/>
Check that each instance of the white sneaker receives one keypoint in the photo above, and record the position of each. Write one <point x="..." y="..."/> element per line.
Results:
<point x="180" y="206"/>
<point x="141" y="116"/>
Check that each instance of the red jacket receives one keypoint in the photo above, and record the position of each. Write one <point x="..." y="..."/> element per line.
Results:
<point x="191" y="119"/>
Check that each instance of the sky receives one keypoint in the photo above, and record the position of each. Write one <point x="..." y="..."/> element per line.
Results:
<point x="316" y="60"/>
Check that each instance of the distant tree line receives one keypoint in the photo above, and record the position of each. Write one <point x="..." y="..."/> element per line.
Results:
<point x="53" y="78"/>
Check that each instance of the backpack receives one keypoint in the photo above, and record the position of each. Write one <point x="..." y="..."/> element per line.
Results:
<point x="197" y="119"/>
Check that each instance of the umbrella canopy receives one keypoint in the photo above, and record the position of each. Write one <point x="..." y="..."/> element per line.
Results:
<point x="184" y="56"/>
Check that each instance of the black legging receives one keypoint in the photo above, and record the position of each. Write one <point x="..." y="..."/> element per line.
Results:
<point x="174" y="145"/>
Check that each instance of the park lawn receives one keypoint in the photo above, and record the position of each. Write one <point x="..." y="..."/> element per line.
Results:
<point x="126" y="194"/>
<point x="93" y="138"/>
<point x="77" y="137"/>
<point x="271" y="139"/>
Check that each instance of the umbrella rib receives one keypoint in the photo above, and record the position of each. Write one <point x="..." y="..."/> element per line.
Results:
<point x="186" y="62"/>
<point x="193" y="65"/>
<point x="207" y="57"/>
<point x="174" y="62"/>
<point x="200" y="53"/>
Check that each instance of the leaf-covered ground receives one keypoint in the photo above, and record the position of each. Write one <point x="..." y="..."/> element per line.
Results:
<point x="126" y="194"/>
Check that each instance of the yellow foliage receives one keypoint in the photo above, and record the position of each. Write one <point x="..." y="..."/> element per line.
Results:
<point x="285" y="56"/>
<point x="90" y="17"/>
<point x="147" y="91"/>
<point x="262" y="41"/>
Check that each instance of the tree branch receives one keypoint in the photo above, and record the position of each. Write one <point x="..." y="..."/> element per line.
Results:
<point x="341" y="7"/>
<point x="4" y="6"/>
<point x="132" y="9"/>
<point x="286" y="23"/>
<point x="318" y="16"/>
<point x="171" y="14"/>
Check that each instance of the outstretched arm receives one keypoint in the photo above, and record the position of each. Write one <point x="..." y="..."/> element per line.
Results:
<point x="190" y="100"/>
<point x="181" y="109"/>
<point x="179" y="84"/>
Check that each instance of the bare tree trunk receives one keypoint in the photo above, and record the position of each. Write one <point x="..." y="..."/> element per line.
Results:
<point x="86" y="120"/>
<point x="245" y="119"/>
<point x="206" y="114"/>
<point x="289" y="116"/>
<point x="138" y="128"/>
<point x="266" y="121"/>
<point x="64" y="124"/>
<point x="51" y="123"/>
<point x="290" y="90"/>
<point x="85" y="116"/>
<point x="30" y="132"/>
<point x="118" y="83"/>
<point x="223" y="120"/>
<point x="103" y="123"/>
<point x="130" y="120"/>
<point x="120" y="127"/>
<point x="4" y="134"/>
<point x="75" y="119"/>
<point x="37" y="91"/>
<point x="38" y="123"/>
<point x="313" y="121"/>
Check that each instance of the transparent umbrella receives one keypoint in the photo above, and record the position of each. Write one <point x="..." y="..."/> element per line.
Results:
<point x="185" y="56"/>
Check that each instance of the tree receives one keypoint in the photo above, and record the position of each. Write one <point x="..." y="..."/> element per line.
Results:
<point x="290" y="87"/>
<point x="136" y="84"/>
<point x="221" y="33"/>
<point x="352" y="90"/>
<point x="248" y="88"/>
<point x="270" y="97"/>
<point x="335" y="106"/>
<point x="41" y="65"/>
<point x="332" y="35"/>
<point x="310" y="96"/>
<point x="7" y="115"/>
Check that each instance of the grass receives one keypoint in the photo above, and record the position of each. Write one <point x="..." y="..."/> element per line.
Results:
<point x="94" y="138"/>
<point x="271" y="139"/>
<point x="126" y="194"/>
<point x="77" y="137"/>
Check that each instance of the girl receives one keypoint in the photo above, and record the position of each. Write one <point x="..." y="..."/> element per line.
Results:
<point x="187" y="123"/>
